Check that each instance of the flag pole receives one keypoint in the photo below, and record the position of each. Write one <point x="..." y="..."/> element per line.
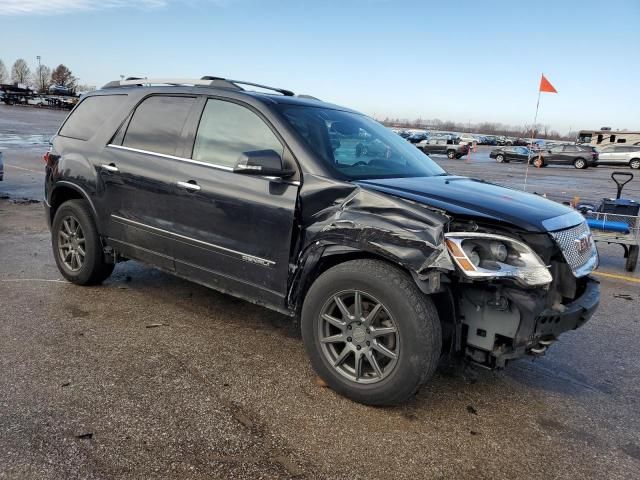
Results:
<point x="533" y="130"/>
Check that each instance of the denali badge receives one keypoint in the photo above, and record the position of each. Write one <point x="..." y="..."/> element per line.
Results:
<point x="583" y="242"/>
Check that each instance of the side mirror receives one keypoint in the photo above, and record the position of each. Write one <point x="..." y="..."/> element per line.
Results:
<point x="262" y="162"/>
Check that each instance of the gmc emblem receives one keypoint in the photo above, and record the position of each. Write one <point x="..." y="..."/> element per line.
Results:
<point x="583" y="242"/>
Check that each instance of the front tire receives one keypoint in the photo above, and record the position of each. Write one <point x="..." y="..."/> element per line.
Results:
<point x="451" y="154"/>
<point x="635" y="163"/>
<point x="370" y="333"/>
<point x="538" y="162"/>
<point x="76" y="245"/>
<point x="500" y="158"/>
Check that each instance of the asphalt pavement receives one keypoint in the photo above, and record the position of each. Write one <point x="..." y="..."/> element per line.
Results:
<point x="150" y="376"/>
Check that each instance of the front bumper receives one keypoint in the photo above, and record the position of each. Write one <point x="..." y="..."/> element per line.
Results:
<point x="550" y="323"/>
<point x="498" y="332"/>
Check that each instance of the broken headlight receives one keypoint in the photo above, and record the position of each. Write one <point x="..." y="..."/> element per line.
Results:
<point x="483" y="255"/>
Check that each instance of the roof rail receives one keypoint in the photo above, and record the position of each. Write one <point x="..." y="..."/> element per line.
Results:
<point x="237" y="83"/>
<point x="206" y="81"/>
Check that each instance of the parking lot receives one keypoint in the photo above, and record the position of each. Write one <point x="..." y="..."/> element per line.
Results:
<point x="152" y="376"/>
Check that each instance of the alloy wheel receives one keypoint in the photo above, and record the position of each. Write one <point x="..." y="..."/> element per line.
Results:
<point x="358" y="337"/>
<point x="71" y="243"/>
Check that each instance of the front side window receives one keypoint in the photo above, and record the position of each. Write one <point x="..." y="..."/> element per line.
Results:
<point x="157" y="123"/>
<point x="355" y="146"/>
<point x="90" y="114"/>
<point x="227" y="130"/>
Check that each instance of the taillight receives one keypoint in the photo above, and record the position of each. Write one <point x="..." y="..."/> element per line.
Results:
<point x="45" y="158"/>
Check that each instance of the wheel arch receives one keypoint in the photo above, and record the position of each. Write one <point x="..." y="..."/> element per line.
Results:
<point x="333" y="255"/>
<point x="319" y="260"/>
<point x="64" y="191"/>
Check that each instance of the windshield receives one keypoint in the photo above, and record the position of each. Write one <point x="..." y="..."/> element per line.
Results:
<point x="356" y="146"/>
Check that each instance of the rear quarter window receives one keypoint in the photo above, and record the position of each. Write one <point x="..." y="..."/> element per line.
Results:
<point x="90" y="115"/>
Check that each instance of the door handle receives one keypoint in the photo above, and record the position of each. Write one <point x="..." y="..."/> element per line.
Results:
<point x="110" y="167"/>
<point x="191" y="185"/>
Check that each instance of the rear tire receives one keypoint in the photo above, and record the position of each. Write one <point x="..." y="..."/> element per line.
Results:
<point x="409" y="316"/>
<point x="451" y="154"/>
<point x="632" y="258"/>
<point x="634" y="163"/>
<point x="580" y="163"/>
<point x="538" y="162"/>
<point x="76" y="245"/>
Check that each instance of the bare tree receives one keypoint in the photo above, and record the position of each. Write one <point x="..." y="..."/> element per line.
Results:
<point x="63" y="77"/>
<point x="4" y="75"/>
<point x="20" y="72"/>
<point x="42" y="78"/>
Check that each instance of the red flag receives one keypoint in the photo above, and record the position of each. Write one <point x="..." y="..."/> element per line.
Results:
<point x="545" y="85"/>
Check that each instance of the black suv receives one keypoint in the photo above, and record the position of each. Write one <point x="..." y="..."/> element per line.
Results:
<point x="387" y="260"/>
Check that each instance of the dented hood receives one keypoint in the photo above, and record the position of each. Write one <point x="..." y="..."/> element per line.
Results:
<point x="470" y="198"/>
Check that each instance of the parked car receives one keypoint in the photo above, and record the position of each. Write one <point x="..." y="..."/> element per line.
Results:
<point x="404" y="134"/>
<point x="39" y="101"/>
<point x="577" y="155"/>
<point x="511" y="154"/>
<point x="386" y="260"/>
<point x="452" y="148"/>
<point x="466" y="138"/>
<point x="417" y="137"/>
<point x="620" y="155"/>
<point x="523" y="142"/>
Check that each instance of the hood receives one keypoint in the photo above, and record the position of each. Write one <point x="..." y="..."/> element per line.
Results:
<point x="470" y="198"/>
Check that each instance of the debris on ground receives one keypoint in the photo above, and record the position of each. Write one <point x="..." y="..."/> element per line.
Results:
<point x="320" y="382"/>
<point x="623" y="295"/>
<point x="472" y="410"/>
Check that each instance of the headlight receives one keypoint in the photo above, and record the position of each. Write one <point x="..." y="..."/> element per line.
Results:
<point x="483" y="255"/>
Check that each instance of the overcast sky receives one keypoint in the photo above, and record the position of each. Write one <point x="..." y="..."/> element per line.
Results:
<point x="453" y="60"/>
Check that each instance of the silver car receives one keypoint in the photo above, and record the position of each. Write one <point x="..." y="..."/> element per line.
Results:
<point x="620" y="155"/>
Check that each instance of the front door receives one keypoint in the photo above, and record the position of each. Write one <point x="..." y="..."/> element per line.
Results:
<point x="234" y="230"/>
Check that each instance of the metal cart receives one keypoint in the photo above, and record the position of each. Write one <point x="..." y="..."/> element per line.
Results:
<point x="629" y="237"/>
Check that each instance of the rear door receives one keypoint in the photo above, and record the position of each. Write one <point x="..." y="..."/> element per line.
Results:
<point x="138" y="174"/>
<point x="234" y="230"/>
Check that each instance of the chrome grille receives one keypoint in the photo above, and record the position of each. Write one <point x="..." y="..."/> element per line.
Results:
<point x="581" y="262"/>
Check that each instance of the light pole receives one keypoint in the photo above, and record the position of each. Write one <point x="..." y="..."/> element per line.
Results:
<point x="40" y="74"/>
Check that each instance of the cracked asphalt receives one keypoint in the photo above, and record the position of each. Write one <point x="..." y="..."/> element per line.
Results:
<point x="150" y="376"/>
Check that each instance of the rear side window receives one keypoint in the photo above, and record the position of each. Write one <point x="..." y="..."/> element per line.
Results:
<point x="227" y="130"/>
<point x="157" y="123"/>
<point x="90" y="114"/>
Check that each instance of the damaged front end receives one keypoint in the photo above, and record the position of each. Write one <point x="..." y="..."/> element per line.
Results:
<point x="501" y="293"/>
<point x="520" y="303"/>
<point x="338" y="219"/>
